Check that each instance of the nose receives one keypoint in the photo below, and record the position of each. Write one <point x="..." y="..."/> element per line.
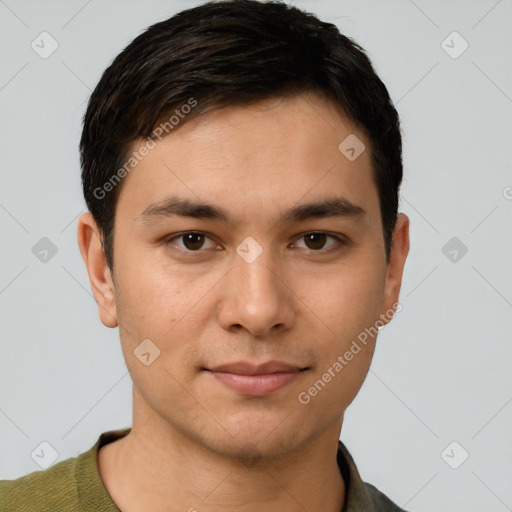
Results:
<point x="257" y="298"/>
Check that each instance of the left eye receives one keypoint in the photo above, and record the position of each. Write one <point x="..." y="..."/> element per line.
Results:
<point x="316" y="241"/>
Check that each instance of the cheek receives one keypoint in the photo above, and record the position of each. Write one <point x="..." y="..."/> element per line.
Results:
<point x="167" y="308"/>
<point x="334" y="386"/>
<point x="345" y="344"/>
<point x="344" y="304"/>
<point x="341" y="312"/>
<point x="153" y="299"/>
<point x="154" y="307"/>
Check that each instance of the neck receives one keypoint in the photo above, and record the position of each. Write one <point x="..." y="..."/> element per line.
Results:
<point x="156" y="468"/>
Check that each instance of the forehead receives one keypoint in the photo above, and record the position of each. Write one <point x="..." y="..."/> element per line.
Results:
<point x="266" y="155"/>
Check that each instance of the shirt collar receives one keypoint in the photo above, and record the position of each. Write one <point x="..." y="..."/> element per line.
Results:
<point x="357" y="497"/>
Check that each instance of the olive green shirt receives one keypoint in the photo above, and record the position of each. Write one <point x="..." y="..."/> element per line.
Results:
<point x="74" y="485"/>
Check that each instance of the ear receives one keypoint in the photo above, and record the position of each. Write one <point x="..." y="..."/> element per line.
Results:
<point x="393" y="279"/>
<point x="102" y="285"/>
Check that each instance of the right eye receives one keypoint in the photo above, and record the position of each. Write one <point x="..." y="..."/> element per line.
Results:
<point x="192" y="241"/>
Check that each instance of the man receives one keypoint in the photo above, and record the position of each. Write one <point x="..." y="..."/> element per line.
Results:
<point x="241" y="163"/>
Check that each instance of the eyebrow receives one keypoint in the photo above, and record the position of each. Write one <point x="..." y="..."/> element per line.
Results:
<point x="179" y="207"/>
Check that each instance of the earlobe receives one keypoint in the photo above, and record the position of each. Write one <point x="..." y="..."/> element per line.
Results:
<point x="393" y="280"/>
<point x="93" y="254"/>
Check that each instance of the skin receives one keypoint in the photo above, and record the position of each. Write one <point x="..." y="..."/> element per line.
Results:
<point x="196" y="444"/>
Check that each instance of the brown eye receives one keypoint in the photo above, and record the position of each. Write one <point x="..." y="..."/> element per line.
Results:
<point x="315" y="241"/>
<point x="193" y="241"/>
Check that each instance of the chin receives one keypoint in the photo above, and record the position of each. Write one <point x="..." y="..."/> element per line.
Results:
<point x="254" y="441"/>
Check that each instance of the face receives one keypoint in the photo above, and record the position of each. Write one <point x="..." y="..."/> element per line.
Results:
<point x="249" y="250"/>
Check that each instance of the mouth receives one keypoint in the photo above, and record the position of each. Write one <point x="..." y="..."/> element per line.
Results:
<point x="249" y="379"/>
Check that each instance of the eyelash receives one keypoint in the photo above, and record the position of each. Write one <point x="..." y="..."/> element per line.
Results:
<point x="340" y="242"/>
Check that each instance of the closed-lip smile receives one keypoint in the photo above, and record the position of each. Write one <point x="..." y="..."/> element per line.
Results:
<point x="250" y="379"/>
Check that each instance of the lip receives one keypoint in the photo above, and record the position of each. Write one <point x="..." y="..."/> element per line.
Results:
<point x="246" y="368"/>
<point x="256" y="379"/>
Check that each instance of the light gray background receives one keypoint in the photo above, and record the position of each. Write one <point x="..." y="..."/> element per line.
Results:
<point x="442" y="368"/>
